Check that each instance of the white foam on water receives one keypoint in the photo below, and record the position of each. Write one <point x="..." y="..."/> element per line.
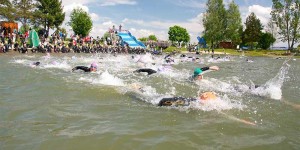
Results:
<point x="210" y="84"/>
<point x="29" y="56"/>
<point x="20" y="61"/>
<point x="108" y="79"/>
<point x="146" y="59"/>
<point x="57" y="65"/>
<point x="219" y="104"/>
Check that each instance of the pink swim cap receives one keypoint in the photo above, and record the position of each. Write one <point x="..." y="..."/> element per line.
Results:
<point x="94" y="64"/>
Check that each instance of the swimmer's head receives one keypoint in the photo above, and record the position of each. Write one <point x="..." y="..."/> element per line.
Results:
<point x="198" y="74"/>
<point x="36" y="63"/>
<point x="94" y="66"/>
<point x="208" y="96"/>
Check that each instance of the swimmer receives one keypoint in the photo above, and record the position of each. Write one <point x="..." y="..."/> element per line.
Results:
<point x="198" y="72"/>
<point x="93" y="68"/>
<point x="147" y="70"/>
<point x="36" y="63"/>
<point x="248" y="60"/>
<point x="181" y="101"/>
<point x="182" y="55"/>
<point x="169" y="58"/>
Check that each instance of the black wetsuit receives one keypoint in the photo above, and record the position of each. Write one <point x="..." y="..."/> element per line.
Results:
<point x="84" y="68"/>
<point x="176" y="101"/>
<point x="148" y="70"/>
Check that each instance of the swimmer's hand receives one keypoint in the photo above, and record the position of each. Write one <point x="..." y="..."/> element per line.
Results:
<point x="216" y="68"/>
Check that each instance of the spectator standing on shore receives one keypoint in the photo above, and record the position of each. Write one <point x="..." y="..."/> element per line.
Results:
<point x="13" y="40"/>
<point x="2" y="48"/>
<point x="120" y="28"/>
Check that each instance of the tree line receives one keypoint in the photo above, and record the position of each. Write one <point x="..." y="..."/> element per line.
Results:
<point x="46" y="14"/>
<point x="221" y="24"/>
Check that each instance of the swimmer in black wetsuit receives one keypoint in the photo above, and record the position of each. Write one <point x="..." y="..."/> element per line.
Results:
<point x="93" y="68"/>
<point x="182" y="101"/>
<point x="36" y="63"/>
<point x="176" y="101"/>
<point x="148" y="70"/>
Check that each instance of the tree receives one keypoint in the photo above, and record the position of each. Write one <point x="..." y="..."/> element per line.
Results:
<point x="143" y="39"/>
<point x="214" y="22"/>
<point x="152" y="38"/>
<point x="7" y="10"/>
<point x="24" y="11"/>
<point x="286" y="15"/>
<point x="253" y="29"/>
<point x="266" y="40"/>
<point x="81" y="22"/>
<point x="233" y="24"/>
<point x="178" y="34"/>
<point x="50" y="14"/>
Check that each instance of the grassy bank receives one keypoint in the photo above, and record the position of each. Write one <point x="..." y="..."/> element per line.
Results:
<point x="272" y="53"/>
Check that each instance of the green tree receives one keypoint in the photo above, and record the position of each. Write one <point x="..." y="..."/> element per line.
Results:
<point x="81" y="22"/>
<point x="214" y="22"/>
<point x="266" y="40"/>
<point x="24" y="11"/>
<point x="178" y="34"/>
<point x="23" y="29"/>
<point x="7" y="11"/>
<point x="286" y="15"/>
<point x="50" y="14"/>
<point x="152" y="38"/>
<point x="233" y="24"/>
<point x="143" y="39"/>
<point x="253" y="29"/>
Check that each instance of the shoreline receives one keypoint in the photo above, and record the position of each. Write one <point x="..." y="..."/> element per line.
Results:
<point x="246" y="54"/>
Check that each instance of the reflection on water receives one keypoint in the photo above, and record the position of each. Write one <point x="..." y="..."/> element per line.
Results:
<point x="50" y="107"/>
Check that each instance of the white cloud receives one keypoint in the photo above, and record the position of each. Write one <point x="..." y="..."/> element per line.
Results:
<point x="94" y="17"/>
<point x="190" y="3"/>
<point x="129" y="21"/>
<point x="68" y="8"/>
<point x="82" y="2"/>
<point x="108" y="23"/>
<point x="263" y="13"/>
<point x="118" y="2"/>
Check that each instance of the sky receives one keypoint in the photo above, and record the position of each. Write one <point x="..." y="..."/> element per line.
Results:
<point x="146" y="17"/>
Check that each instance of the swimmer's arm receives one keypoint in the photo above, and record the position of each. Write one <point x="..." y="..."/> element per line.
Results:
<point x="205" y="68"/>
<point x="210" y="68"/>
<point x="296" y="106"/>
<point x="149" y="71"/>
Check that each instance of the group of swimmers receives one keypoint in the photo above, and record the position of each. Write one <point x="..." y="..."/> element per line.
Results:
<point x="174" y="101"/>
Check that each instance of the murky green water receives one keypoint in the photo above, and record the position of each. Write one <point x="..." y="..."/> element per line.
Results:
<point x="50" y="107"/>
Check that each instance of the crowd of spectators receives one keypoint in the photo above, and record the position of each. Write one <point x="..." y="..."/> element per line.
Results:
<point x="57" y="43"/>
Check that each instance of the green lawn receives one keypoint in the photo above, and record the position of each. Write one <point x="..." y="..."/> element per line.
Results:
<point x="235" y="52"/>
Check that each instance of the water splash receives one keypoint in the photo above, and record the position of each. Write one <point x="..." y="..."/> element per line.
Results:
<point x="272" y="88"/>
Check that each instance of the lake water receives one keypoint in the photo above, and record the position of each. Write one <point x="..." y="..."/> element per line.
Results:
<point x="50" y="107"/>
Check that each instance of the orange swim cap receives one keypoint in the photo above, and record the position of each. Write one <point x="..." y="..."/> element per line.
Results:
<point x="208" y="96"/>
